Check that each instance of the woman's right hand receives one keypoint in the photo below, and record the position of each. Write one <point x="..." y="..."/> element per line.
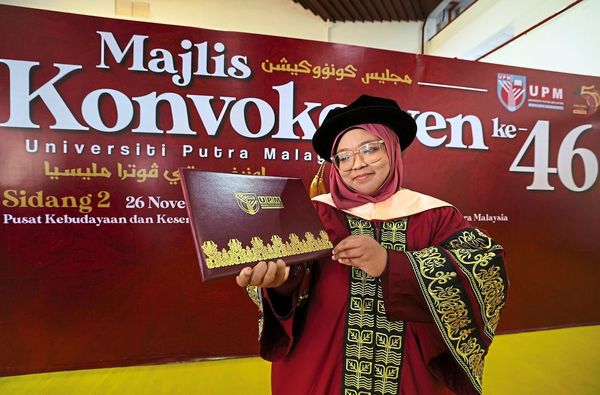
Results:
<point x="264" y="274"/>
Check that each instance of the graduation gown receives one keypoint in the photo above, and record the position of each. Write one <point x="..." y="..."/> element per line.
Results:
<point x="423" y="327"/>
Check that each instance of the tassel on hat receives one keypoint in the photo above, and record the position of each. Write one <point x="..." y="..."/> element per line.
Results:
<point x="317" y="186"/>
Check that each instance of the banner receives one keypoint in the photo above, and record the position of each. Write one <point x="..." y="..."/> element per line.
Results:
<point x="97" y="115"/>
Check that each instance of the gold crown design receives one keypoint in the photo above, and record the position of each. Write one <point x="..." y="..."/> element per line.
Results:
<point x="237" y="254"/>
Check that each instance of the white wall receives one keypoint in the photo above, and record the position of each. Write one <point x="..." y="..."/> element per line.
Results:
<point x="273" y="17"/>
<point x="397" y="36"/>
<point x="96" y="8"/>
<point x="567" y="43"/>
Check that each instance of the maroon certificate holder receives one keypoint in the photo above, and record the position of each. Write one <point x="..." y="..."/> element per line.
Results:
<point x="239" y="220"/>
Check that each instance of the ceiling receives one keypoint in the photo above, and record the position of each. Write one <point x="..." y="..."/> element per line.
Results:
<point x="370" y="10"/>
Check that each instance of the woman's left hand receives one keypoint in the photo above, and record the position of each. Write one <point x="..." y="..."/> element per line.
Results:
<point x="363" y="252"/>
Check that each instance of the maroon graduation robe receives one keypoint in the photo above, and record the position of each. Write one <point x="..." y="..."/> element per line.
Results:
<point x="442" y="291"/>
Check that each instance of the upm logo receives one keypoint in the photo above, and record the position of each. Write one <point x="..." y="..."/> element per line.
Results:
<point x="251" y="203"/>
<point x="511" y="90"/>
<point x="545" y="92"/>
<point x="545" y="97"/>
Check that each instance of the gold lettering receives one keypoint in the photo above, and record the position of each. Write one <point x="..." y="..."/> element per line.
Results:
<point x="37" y="199"/>
<point x="9" y="199"/>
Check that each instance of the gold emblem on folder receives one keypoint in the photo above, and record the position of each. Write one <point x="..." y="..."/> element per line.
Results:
<point x="251" y="203"/>
<point x="247" y="202"/>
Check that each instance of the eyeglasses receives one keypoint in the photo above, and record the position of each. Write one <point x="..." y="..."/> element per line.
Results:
<point x="369" y="152"/>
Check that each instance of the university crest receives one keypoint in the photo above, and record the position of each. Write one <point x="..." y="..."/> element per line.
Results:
<point x="248" y="202"/>
<point x="512" y="90"/>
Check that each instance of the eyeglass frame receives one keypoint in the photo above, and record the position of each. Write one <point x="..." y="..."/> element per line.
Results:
<point x="355" y="153"/>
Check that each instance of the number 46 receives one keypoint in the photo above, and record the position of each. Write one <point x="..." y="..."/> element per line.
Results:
<point x="540" y="138"/>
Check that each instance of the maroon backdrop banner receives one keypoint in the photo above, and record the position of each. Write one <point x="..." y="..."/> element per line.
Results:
<point x="97" y="115"/>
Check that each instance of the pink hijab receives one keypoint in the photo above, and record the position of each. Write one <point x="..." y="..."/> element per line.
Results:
<point x="345" y="197"/>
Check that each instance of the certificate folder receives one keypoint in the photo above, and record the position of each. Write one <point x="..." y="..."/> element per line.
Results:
<point x="239" y="220"/>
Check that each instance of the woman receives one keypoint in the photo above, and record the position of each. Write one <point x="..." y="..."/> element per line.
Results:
<point x="411" y="296"/>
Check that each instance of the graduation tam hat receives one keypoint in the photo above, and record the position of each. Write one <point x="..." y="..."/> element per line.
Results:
<point x="365" y="109"/>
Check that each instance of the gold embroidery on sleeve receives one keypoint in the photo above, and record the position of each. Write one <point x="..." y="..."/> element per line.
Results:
<point x="255" y="294"/>
<point x="475" y="254"/>
<point x="445" y="298"/>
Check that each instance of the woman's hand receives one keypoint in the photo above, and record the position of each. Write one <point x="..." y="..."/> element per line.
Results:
<point x="363" y="252"/>
<point x="264" y="274"/>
